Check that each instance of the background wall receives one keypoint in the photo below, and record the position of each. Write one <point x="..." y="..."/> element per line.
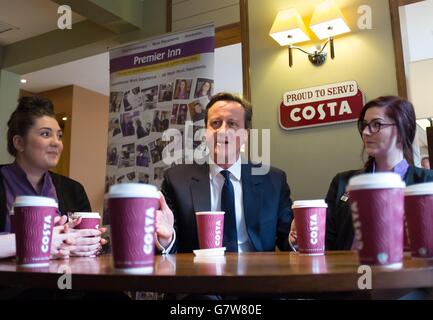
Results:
<point x="311" y="157"/>
<point x="89" y="143"/>
<point x="8" y="102"/>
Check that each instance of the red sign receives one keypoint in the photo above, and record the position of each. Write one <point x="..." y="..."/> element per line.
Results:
<point x="323" y="105"/>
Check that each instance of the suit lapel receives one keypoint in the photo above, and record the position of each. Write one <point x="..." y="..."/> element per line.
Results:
<point x="252" y="191"/>
<point x="200" y="189"/>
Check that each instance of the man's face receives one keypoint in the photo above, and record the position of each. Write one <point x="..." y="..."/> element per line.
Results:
<point x="225" y="132"/>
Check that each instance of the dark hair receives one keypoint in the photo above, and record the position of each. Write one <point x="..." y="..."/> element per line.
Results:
<point x="202" y="85"/>
<point x="403" y="115"/>
<point x="225" y="96"/>
<point x="23" y="118"/>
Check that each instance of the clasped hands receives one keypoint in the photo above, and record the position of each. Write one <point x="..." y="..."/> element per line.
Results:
<point x="68" y="241"/>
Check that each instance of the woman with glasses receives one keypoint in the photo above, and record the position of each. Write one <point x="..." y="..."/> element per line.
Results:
<point x="387" y="127"/>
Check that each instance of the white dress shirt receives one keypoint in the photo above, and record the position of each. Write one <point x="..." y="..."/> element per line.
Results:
<point x="216" y="184"/>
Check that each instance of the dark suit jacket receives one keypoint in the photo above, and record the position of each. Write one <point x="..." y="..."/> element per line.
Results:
<point x="267" y="205"/>
<point x="70" y="194"/>
<point x="339" y="228"/>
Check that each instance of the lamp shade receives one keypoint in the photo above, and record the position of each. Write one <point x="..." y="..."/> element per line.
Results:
<point x="328" y="21"/>
<point x="288" y="28"/>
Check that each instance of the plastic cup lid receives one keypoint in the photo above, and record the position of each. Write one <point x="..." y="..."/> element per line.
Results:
<point x="199" y="213"/>
<point x="309" y="204"/>
<point x="210" y="252"/>
<point x="35" y="201"/>
<point x="380" y="180"/>
<point x="419" y="189"/>
<point x="133" y="190"/>
<point x="86" y="215"/>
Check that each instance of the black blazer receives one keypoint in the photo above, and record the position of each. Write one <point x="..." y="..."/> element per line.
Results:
<point x="266" y="200"/>
<point x="71" y="196"/>
<point x="339" y="228"/>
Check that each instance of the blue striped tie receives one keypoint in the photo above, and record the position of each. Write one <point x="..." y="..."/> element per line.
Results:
<point x="228" y="206"/>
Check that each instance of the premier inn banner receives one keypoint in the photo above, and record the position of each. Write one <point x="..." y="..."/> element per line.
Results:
<point x="322" y="105"/>
<point x="158" y="84"/>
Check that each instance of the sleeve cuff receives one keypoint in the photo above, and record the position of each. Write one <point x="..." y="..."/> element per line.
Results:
<point x="161" y="248"/>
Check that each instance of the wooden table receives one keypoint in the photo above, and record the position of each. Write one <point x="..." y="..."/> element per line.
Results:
<point x="248" y="273"/>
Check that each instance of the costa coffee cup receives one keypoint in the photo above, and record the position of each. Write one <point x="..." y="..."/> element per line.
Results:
<point x="377" y="205"/>
<point x="89" y="220"/>
<point x="210" y="229"/>
<point x="33" y="225"/>
<point x="419" y="217"/>
<point x="132" y="208"/>
<point x="310" y="217"/>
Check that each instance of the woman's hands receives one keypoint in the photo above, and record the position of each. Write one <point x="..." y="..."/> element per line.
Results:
<point x="68" y="242"/>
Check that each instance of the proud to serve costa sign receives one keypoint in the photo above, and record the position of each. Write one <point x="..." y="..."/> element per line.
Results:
<point x="322" y="105"/>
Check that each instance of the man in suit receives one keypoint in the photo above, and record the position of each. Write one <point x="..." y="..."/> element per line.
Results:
<point x="257" y="206"/>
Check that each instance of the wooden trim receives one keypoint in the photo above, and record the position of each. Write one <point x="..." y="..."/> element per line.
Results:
<point x="406" y="2"/>
<point x="243" y="5"/>
<point x="169" y="17"/>
<point x="429" y="132"/>
<point x="398" y="49"/>
<point x="398" y="45"/>
<point x="227" y="35"/>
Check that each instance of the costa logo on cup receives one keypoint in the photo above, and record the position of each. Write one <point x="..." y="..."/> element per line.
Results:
<point x="313" y="229"/>
<point x="218" y="233"/>
<point x="149" y="231"/>
<point x="46" y="234"/>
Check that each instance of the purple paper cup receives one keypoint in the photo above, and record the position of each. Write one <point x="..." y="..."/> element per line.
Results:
<point x="33" y="225"/>
<point x="419" y="217"/>
<point x="310" y="217"/>
<point x="210" y="229"/>
<point x="132" y="208"/>
<point x="377" y="205"/>
<point x="89" y="220"/>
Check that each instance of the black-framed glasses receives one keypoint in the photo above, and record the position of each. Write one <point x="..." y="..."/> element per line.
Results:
<point x="374" y="126"/>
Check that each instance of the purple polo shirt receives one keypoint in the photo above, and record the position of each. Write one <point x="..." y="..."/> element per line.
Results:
<point x="400" y="169"/>
<point x="16" y="184"/>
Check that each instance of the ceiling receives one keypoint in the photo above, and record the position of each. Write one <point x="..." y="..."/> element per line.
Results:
<point x="29" y="18"/>
<point x="91" y="73"/>
<point x="35" y="17"/>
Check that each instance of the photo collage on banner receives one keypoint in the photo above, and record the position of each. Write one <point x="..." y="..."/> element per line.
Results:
<point x="156" y="85"/>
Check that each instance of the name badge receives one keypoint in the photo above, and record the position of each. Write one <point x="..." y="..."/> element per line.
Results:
<point x="344" y="197"/>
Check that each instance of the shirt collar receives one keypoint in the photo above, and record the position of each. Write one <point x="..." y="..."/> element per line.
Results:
<point x="235" y="169"/>
<point x="400" y="168"/>
<point x="47" y="184"/>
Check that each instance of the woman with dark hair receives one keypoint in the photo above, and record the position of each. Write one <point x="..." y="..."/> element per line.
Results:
<point x="204" y="90"/>
<point x="34" y="139"/>
<point x="182" y="91"/>
<point x="387" y="127"/>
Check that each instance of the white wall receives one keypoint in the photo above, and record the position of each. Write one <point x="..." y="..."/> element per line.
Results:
<point x="228" y="69"/>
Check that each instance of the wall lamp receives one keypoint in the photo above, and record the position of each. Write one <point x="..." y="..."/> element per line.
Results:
<point x="326" y="23"/>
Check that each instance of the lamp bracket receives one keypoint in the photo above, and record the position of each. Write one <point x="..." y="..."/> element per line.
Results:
<point x="319" y="56"/>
